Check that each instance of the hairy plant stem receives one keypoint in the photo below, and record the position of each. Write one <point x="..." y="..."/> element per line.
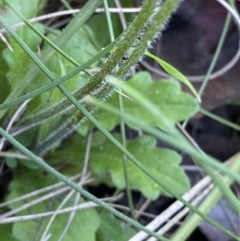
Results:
<point x="125" y="43"/>
<point x="156" y="23"/>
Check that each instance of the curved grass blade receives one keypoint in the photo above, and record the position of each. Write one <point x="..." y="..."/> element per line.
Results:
<point x="175" y="73"/>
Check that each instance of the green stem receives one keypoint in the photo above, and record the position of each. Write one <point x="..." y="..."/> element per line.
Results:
<point x="216" y="54"/>
<point x="109" y="20"/>
<point x="122" y="125"/>
<point x="125" y="159"/>
<point x="220" y="120"/>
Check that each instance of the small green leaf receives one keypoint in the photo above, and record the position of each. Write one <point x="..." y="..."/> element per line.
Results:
<point x="11" y="162"/>
<point x="110" y="227"/>
<point x="127" y="234"/>
<point x="107" y="159"/>
<point x="162" y="163"/>
<point x="175" y="73"/>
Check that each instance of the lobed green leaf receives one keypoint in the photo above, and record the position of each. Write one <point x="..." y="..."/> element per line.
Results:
<point x="105" y="158"/>
<point x="166" y="95"/>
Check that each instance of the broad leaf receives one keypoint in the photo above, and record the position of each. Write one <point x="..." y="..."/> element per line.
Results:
<point x="162" y="163"/>
<point x="106" y="158"/>
<point x="84" y="224"/>
<point x="174" y="104"/>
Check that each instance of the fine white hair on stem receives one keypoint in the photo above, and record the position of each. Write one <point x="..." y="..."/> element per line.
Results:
<point x="219" y="72"/>
<point x="124" y="23"/>
<point x="72" y="11"/>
